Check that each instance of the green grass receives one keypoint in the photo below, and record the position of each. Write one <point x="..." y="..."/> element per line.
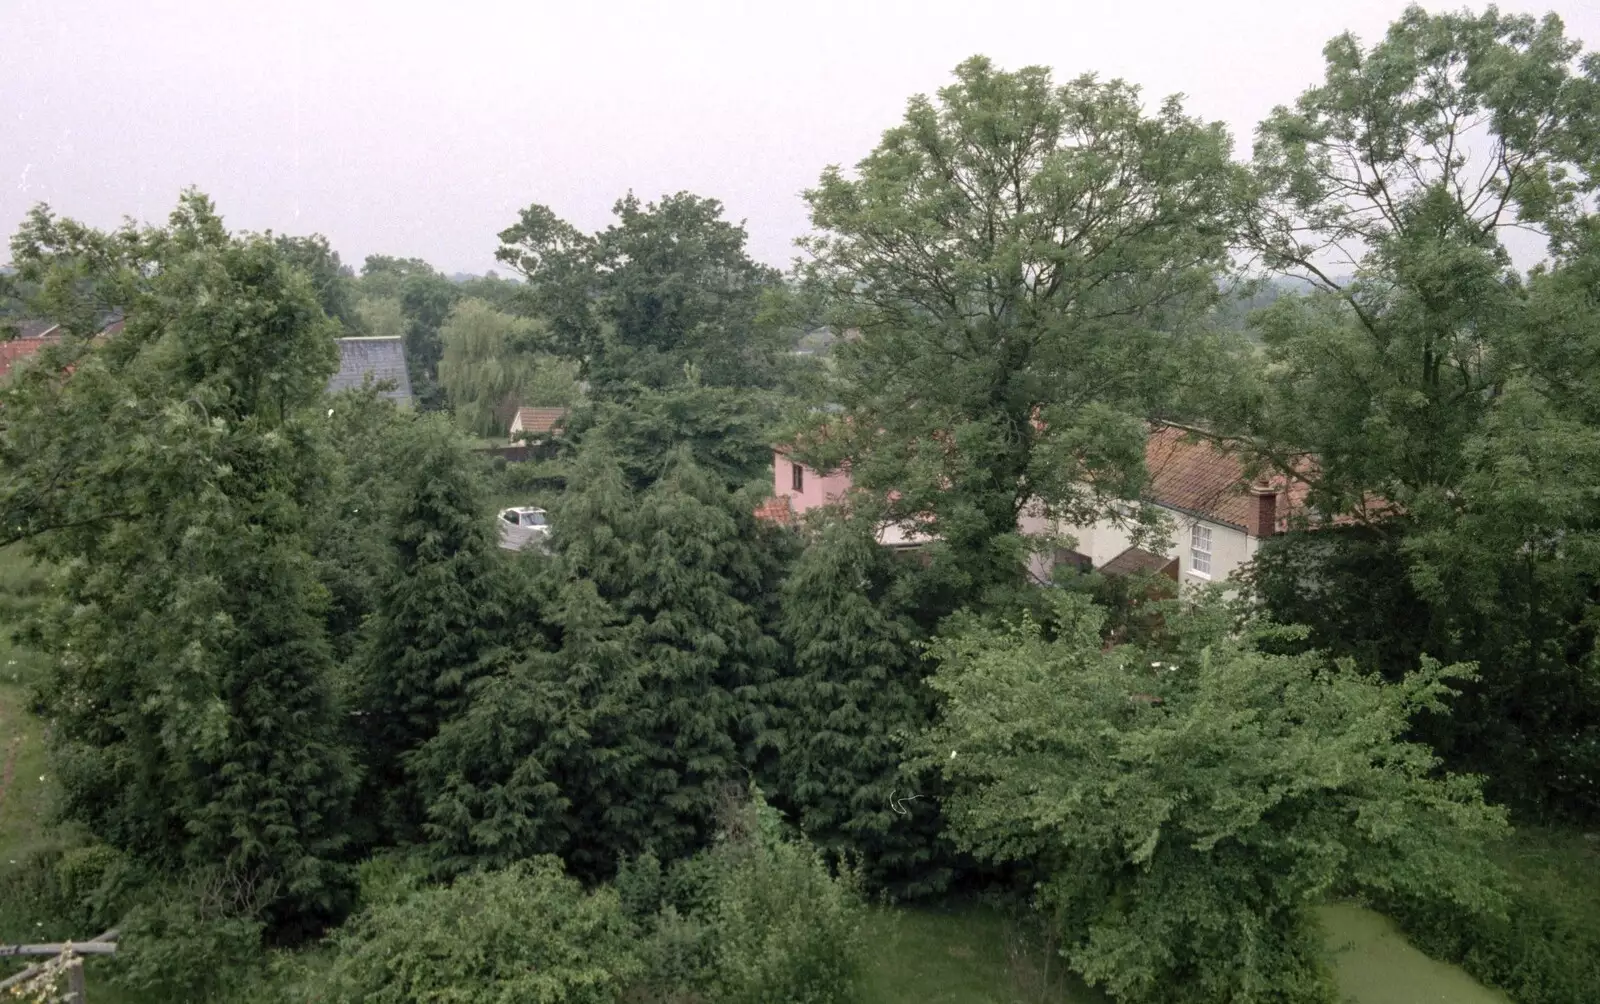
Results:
<point x="1560" y="868"/>
<point x="962" y="954"/>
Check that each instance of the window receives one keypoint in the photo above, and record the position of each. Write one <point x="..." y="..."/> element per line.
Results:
<point x="1200" y="550"/>
<point x="798" y="474"/>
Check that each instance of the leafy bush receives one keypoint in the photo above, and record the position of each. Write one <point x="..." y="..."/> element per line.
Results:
<point x="526" y="933"/>
<point x="193" y="938"/>
<point x="62" y="890"/>
<point x="1191" y="801"/>
<point x="757" y="918"/>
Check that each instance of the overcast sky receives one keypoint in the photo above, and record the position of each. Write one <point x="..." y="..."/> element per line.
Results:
<point x="419" y="129"/>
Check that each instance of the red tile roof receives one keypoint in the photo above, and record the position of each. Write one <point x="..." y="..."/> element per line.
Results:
<point x="1202" y="479"/>
<point x="539" y="420"/>
<point x="776" y="510"/>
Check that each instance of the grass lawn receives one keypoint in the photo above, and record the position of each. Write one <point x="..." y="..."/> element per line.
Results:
<point x="962" y="954"/>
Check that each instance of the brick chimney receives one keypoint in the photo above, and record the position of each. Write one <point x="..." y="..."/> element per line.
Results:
<point x="1264" y="522"/>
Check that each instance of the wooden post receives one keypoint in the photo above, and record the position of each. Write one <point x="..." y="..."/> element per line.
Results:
<point x="75" y="988"/>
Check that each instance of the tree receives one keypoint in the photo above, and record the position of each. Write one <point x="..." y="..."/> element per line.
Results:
<point x="668" y="284"/>
<point x="168" y="475"/>
<point x="487" y="378"/>
<point x="1186" y="805"/>
<point x="350" y="538"/>
<point x="333" y="281"/>
<point x="727" y="431"/>
<point x="435" y="622"/>
<point x="527" y="932"/>
<point x="426" y="299"/>
<point x="623" y="735"/>
<point x="843" y="713"/>
<point x="1423" y="385"/>
<point x="1015" y="257"/>
<point x="543" y="755"/>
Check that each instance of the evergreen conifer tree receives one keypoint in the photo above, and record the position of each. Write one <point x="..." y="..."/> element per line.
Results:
<point x="852" y="698"/>
<point x="436" y="618"/>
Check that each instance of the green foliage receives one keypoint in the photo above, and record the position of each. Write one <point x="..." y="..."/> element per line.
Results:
<point x="195" y="938"/>
<point x="1188" y="803"/>
<point x="842" y="714"/>
<point x="381" y="317"/>
<point x="1439" y="381"/>
<point x="757" y="918"/>
<point x="620" y="737"/>
<point x="348" y="526"/>
<point x="523" y="933"/>
<point x="726" y="431"/>
<point x="190" y="710"/>
<point x="668" y="284"/>
<point x="332" y="281"/>
<point x="1015" y="250"/>
<point x="487" y="376"/>
<point x="438" y="612"/>
<point x="425" y="298"/>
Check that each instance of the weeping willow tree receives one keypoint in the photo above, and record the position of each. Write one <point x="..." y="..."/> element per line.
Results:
<point x="486" y="373"/>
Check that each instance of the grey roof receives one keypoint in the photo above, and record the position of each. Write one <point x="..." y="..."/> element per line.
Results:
<point x="384" y="358"/>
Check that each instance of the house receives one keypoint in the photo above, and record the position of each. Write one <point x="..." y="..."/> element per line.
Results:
<point x="1219" y="515"/>
<point x="25" y="346"/>
<point x="33" y="335"/>
<point x="383" y="359"/>
<point x="536" y="423"/>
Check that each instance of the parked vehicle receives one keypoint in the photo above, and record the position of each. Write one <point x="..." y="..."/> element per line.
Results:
<point x="524" y="525"/>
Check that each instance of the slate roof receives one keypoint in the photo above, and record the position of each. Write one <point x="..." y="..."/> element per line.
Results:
<point x="1135" y="560"/>
<point x="539" y="420"/>
<point x="384" y="358"/>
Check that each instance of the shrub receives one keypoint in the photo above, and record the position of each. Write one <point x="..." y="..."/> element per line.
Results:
<point x="758" y="918"/>
<point x="1190" y="802"/>
<point x="193" y="938"/>
<point x="526" y="933"/>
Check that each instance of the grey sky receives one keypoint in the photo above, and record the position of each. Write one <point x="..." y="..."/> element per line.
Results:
<point x="419" y="129"/>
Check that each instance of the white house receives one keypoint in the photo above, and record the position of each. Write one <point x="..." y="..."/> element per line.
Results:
<point x="1219" y="517"/>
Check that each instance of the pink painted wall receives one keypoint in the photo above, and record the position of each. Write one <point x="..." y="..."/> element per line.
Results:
<point x="817" y="489"/>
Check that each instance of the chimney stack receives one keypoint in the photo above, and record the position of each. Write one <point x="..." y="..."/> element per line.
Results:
<point x="1266" y="509"/>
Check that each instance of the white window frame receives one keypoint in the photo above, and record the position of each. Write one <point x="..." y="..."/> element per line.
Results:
<point x="1200" y="553"/>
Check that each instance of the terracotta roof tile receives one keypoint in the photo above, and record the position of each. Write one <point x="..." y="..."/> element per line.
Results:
<point x="18" y="349"/>
<point x="1199" y="478"/>
<point x="539" y="420"/>
<point x="775" y="510"/>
